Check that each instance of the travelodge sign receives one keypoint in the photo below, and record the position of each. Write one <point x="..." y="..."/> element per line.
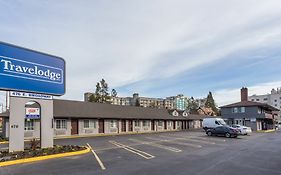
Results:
<point x="31" y="71"/>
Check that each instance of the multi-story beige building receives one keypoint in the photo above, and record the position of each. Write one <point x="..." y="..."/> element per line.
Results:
<point x="123" y="101"/>
<point x="169" y="103"/>
<point x="136" y="100"/>
<point x="151" y="102"/>
<point x="273" y="99"/>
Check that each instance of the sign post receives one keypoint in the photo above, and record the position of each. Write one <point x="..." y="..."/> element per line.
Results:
<point x="31" y="76"/>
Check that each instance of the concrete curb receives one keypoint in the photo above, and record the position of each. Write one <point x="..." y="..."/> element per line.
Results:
<point x="4" y="142"/>
<point x="40" y="158"/>
<point x="267" y="131"/>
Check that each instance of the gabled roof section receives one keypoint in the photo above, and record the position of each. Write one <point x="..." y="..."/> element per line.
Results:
<point x="249" y="104"/>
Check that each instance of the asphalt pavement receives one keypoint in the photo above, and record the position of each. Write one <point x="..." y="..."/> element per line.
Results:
<point x="164" y="153"/>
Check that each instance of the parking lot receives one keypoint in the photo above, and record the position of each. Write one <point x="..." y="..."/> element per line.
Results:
<point x="164" y="153"/>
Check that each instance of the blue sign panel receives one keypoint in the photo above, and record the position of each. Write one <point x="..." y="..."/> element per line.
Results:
<point x="30" y="71"/>
<point x="32" y="116"/>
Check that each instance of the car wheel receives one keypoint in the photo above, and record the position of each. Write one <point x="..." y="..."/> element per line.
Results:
<point x="209" y="133"/>
<point x="227" y="135"/>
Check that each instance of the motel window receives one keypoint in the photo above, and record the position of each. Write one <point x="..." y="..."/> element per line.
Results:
<point x="160" y="123"/>
<point x="113" y="123"/>
<point x="259" y="110"/>
<point x="242" y="109"/>
<point x="170" y="123"/>
<point x="89" y="124"/>
<point x="61" y="124"/>
<point x="235" y="110"/>
<point x="29" y="125"/>
<point x="146" y="123"/>
<point x="137" y="123"/>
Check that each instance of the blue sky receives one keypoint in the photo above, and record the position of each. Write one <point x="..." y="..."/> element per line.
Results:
<point x="157" y="48"/>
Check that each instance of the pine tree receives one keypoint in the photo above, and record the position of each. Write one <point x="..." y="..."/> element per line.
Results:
<point x="210" y="103"/>
<point x="101" y="94"/>
<point x="192" y="106"/>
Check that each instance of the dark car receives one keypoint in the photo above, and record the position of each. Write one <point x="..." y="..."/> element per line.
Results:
<point x="223" y="131"/>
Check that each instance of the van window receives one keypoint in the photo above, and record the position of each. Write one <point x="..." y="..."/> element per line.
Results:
<point x="221" y="122"/>
<point x="217" y="123"/>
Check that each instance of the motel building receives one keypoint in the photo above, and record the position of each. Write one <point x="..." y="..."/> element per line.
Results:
<point x="87" y="118"/>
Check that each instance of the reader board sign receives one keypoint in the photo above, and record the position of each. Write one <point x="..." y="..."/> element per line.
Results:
<point x="30" y="95"/>
<point x="26" y="70"/>
<point x="32" y="113"/>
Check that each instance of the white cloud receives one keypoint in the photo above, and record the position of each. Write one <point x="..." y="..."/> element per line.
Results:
<point x="232" y="95"/>
<point x="128" y="41"/>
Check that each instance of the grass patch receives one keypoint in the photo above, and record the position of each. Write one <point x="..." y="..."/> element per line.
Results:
<point x="29" y="153"/>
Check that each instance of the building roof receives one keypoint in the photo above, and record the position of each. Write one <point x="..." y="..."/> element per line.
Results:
<point x="5" y="114"/>
<point x="250" y="103"/>
<point x="80" y="109"/>
<point x="66" y="108"/>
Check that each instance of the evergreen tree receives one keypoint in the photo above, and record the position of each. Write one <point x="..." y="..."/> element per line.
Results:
<point x="210" y="103"/>
<point x="101" y="94"/>
<point x="192" y="105"/>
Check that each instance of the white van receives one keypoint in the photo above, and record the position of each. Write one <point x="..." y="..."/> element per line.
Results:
<point x="209" y="123"/>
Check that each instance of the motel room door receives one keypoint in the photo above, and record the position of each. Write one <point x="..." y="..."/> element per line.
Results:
<point x="152" y="125"/>
<point x="123" y="125"/>
<point x="74" y="126"/>
<point x="101" y="125"/>
<point x="130" y="125"/>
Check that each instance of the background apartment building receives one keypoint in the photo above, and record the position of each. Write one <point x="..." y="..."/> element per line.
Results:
<point x="273" y="99"/>
<point x="178" y="102"/>
<point x="201" y="102"/>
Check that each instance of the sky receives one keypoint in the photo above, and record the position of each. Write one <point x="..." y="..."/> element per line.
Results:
<point x="157" y="48"/>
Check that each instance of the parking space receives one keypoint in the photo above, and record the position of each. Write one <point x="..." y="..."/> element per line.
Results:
<point x="149" y="153"/>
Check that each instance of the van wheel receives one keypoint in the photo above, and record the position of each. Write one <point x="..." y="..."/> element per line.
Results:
<point x="227" y="135"/>
<point x="209" y="133"/>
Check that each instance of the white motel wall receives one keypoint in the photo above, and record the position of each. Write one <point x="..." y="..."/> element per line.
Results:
<point x="84" y="118"/>
<point x="138" y="126"/>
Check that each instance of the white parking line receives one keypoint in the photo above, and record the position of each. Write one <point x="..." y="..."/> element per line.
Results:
<point x="133" y="150"/>
<point x="157" y="145"/>
<point x="189" y="139"/>
<point x="97" y="157"/>
<point x="156" y="139"/>
<point x="175" y="141"/>
<point x="186" y="144"/>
